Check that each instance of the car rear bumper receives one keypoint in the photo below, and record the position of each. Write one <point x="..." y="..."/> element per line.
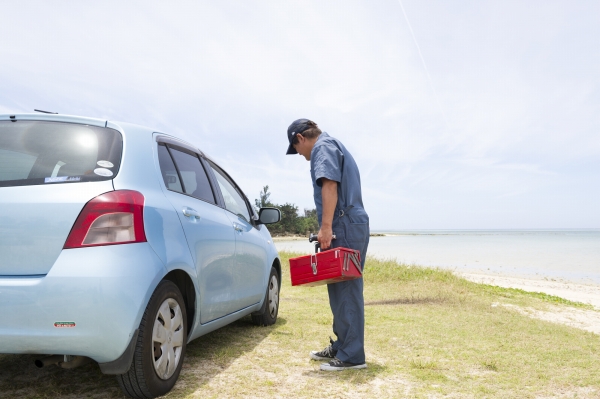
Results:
<point x="89" y="304"/>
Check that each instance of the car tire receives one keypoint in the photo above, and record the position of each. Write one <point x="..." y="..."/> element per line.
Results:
<point x="160" y="346"/>
<point x="267" y="315"/>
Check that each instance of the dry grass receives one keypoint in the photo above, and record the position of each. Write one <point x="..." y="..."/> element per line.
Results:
<point x="429" y="334"/>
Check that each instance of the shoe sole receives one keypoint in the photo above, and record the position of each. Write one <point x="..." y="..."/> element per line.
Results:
<point x="314" y="356"/>
<point x="327" y="367"/>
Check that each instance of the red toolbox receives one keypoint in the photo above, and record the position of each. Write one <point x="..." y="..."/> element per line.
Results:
<point x="327" y="267"/>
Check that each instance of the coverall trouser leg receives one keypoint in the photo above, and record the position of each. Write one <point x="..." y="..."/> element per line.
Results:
<point x="346" y="298"/>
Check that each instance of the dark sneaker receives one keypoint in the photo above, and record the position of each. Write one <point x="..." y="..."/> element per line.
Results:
<point x="326" y="354"/>
<point x="337" y="365"/>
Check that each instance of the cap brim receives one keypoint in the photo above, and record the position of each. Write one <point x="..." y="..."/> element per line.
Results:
<point x="291" y="150"/>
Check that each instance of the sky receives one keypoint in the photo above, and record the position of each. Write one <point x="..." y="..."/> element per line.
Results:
<point x="459" y="114"/>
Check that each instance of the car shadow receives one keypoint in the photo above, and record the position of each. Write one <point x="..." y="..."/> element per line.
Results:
<point x="213" y="353"/>
<point x="205" y="358"/>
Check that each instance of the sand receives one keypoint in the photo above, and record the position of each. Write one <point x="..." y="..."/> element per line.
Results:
<point x="588" y="320"/>
<point x="290" y="238"/>
<point x="575" y="292"/>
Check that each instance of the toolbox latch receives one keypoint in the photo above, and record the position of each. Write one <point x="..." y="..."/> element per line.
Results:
<point x="313" y="263"/>
<point x="352" y="257"/>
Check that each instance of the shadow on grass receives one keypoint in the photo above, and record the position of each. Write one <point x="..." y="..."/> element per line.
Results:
<point x="19" y="377"/>
<point x="363" y="376"/>
<point x="205" y="358"/>
<point x="212" y="353"/>
<point x="408" y="301"/>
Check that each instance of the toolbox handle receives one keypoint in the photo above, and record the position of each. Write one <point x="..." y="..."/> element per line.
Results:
<point x="313" y="237"/>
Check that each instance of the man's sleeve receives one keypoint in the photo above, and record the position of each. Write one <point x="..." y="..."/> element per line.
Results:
<point x="328" y="160"/>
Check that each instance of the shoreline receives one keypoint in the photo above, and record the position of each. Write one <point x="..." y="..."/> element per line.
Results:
<point x="301" y="238"/>
<point x="587" y="292"/>
<point x="289" y="238"/>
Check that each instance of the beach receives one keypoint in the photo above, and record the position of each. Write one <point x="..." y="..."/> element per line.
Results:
<point x="561" y="263"/>
<point x="588" y="320"/>
<point x="585" y="293"/>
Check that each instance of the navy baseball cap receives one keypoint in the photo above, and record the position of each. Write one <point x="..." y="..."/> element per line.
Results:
<point x="298" y="126"/>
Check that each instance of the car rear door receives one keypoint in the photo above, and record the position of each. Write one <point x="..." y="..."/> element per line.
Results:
<point x="208" y="230"/>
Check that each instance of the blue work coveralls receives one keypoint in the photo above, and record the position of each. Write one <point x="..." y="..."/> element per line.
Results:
<point x="331" y="160"/>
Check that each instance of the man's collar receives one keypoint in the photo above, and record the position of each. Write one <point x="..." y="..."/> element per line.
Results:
<point x="324" y="134"/>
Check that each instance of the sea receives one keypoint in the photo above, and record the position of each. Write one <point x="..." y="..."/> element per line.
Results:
<point x="570" y="255"/>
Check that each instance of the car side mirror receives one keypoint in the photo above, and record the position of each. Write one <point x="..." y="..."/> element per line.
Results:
<point x="269" y="215"/>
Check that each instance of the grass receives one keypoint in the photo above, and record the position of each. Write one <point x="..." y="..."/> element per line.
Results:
<point x="429" y="334"/>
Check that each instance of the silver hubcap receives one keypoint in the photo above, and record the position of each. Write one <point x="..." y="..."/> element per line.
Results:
<point x="167" y="338"/>
<point x="273" y="296"/>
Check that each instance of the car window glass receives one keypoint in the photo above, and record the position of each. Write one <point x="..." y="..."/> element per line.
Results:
<point x="41" y="152"/>
<point x="195" y="181"/>
<point x="234" y="201"/>
<point x="167" y="170"/>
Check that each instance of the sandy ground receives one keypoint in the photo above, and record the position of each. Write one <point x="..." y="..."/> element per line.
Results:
<point x="290" y="238"/>
<point x="589" y="294"/>
<point x="305" y="238"/>
<point x="588" y="320"/>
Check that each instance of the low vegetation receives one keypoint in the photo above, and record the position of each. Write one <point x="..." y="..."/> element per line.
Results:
<point x="429" y="334"/>
<point x="292" y="223"/>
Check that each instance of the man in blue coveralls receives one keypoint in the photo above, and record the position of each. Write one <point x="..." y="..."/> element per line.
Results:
<point x="338" y="198"/>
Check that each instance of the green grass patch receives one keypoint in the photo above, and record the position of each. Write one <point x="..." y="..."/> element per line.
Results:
<point x="428" y="334"/>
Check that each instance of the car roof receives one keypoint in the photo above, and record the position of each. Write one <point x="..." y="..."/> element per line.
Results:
<point x="54" y="118"/>
<point x="124" y="127"/>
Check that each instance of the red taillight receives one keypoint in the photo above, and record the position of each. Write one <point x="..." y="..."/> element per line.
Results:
<point x="116" y="217"/>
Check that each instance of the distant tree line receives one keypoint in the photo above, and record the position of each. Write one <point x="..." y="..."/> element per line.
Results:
<point x="291" y="222"/>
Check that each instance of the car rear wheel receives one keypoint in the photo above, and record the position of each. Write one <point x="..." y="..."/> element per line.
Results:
<point x="160" y="345"/>
<point x="267" y="315"/>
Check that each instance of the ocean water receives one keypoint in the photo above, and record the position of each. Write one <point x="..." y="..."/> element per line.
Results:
<point x="569" y="255"/>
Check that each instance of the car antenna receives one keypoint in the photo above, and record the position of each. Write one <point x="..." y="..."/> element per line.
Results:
<point x="45" y="112"/>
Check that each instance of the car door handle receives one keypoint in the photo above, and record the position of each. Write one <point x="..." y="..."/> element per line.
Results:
<point x="191" y="212"/>
<point x="237" y="227"/>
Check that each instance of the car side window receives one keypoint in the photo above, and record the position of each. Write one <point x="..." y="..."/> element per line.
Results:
<point x="193" y="176"/>
<point x="234" y="200"/>
<point x="167" y="170"/>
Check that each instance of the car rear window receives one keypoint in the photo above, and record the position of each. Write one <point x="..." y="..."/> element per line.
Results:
<point x="40" y="152"/>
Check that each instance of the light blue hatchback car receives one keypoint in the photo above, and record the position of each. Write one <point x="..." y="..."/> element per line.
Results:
<point x="121" y="244"/>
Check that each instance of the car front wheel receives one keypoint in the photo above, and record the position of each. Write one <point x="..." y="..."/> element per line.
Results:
<point x="160" y="345"/>
<point x="267" y="315"/>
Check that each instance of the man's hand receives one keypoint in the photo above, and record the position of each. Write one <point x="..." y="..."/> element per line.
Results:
<point x="324" y="237"/>
<point x="330" y="197"/>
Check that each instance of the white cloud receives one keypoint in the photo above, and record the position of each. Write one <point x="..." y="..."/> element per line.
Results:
<point x="517" y="82"/>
